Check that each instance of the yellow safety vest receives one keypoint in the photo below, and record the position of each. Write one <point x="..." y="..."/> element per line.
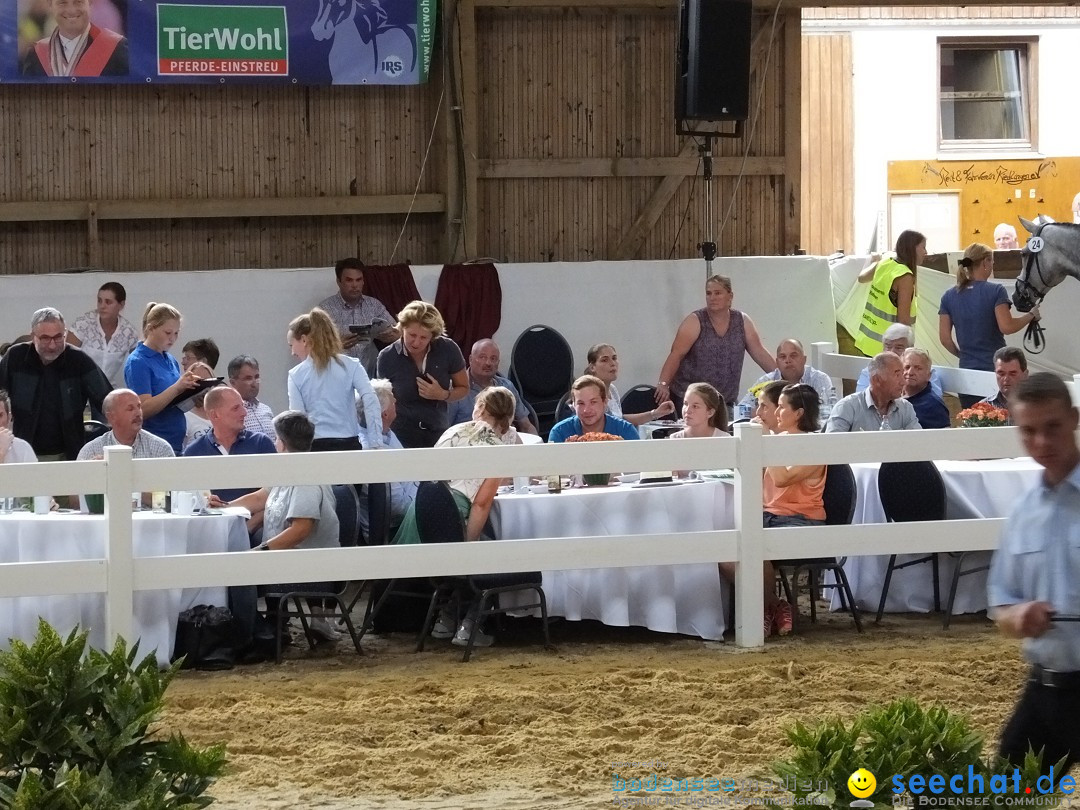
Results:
<point x="880" y="312"/>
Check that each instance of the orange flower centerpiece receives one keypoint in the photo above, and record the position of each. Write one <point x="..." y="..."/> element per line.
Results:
<point x="983" y="414"/>
<point x="595" y="479"/>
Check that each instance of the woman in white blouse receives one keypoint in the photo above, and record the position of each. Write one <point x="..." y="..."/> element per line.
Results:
<point x="106" y="335"/>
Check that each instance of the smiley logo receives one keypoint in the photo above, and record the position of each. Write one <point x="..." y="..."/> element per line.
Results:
<point x="861" y="783"/>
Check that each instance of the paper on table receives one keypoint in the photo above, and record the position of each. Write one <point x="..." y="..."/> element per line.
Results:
<point x="236" y="510"/>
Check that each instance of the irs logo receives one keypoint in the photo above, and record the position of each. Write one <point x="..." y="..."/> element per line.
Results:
<point x="392" y="66"/>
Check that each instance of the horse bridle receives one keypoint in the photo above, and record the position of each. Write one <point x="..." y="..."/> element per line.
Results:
<point x="1034" y="342"/>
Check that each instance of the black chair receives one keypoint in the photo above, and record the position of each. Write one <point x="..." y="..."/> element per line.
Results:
<point x="92" y="429"/>
<point x="532" y="414"/>
<point x="911" y="491"/>
<point x="563" y="409"/>
<point x="542" y="368"/>
<point x="839" y="498"/>
<point x="439" y="521"/>
<point x="639" y="399"/>
<point x="308" y="604"/>
<point x="377" y="496"/>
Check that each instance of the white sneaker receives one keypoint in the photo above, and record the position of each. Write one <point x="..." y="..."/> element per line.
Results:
<point x="461" y="638"/>
<point x="323" y="630"/>
<point x="444" y="625"/>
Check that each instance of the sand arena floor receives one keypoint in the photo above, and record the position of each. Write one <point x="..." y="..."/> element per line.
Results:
<point x="522" y="727"/>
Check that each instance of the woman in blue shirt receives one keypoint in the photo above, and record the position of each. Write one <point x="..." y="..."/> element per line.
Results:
<point x="152" y="373"/>
<point x="979" y="311"/>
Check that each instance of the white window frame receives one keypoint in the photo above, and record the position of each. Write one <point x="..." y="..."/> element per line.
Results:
<point x="1028" y="91"/>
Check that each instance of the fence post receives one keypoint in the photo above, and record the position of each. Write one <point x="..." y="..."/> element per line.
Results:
<point x="119" y="545"/>
<point x="749" y="588"/>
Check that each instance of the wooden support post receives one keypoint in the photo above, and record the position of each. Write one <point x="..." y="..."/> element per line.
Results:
<point x="470" y="104"/>
<point x="451" y="70"/>
<point x="792" y="84"/>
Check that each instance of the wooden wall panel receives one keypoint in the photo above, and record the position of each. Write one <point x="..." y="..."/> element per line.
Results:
<point x="590" y="84"/>
<point x="827" y="144"/>
<point x="993" y="12"/>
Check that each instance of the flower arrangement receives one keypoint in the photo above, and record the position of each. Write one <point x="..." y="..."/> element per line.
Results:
<point x="983" y="414"/>
<point x="595" y="479"/>
<point x="594" y="437"/>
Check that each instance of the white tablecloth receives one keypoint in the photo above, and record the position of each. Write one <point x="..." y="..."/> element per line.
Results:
<point x="973" y="489"/>
<point x="38" y="538"/>
<point x="686" y="599"/>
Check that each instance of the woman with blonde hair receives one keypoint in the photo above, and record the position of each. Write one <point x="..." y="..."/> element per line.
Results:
<point x="979" y="311"/>
<point x="493" y="415"/>
<point x="325" y="384"/>
<point x="426" y="370"/>
<point x="152" y="373"/>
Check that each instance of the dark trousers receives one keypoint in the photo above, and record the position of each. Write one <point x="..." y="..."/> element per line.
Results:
<point x="332" y="445"/>
<point x="415" y="434"/>
<point x="1048" y="717"/>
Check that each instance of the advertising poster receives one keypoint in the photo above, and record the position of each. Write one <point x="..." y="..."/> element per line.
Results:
<point x="212" y="41"/>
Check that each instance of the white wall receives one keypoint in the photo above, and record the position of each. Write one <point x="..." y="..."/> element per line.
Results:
<point x="635" y="305"/>
<point x="895" y="88"/>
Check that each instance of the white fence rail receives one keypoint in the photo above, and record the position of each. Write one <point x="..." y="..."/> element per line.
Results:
<point x="120" y="574"/>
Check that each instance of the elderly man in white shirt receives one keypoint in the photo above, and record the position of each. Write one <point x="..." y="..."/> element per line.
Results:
<point x="792" y="368"/>
<point x="402" y="493"/>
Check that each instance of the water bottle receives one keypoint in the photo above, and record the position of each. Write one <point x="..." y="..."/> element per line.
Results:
<point x="745" y="409"/>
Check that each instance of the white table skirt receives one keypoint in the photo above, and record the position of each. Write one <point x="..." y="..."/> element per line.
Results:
<point x="973" y="489"/>
<point x="686" y="599"/>
<point x="38" y="538"/>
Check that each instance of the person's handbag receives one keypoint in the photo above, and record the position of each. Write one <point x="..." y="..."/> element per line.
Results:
<point x="204" y="638"/>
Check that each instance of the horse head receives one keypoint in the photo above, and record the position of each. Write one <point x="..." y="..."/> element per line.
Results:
<point x="1051" y="253"/>
<point x="332" y="13"/>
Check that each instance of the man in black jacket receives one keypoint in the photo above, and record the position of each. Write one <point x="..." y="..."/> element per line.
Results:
<point x="50" y="384"/>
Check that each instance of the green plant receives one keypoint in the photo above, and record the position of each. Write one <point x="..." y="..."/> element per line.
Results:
<point x="901" y="739"/>
<point x="75" y="731"/>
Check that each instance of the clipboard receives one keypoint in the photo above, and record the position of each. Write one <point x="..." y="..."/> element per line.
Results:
<point x="185" y="401"/>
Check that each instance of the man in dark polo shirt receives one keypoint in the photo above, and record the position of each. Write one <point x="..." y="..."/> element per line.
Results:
<point x="50" y="384"/>
<point x="225" y="409"/>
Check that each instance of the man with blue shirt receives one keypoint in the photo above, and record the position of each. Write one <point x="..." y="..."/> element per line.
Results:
<point x="225" y="409"/>
<point x="930" y="409"/>
<point x="483" y="373"/>
<point x="1032" y="587"/>
<point x="588" y="398"/>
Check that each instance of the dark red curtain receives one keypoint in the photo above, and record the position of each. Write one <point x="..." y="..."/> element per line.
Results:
<point x="470" y="300"/>
<point x="392" y="284"/>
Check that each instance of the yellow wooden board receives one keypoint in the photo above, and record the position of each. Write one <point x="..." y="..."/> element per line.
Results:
<point x="993" y="191"/>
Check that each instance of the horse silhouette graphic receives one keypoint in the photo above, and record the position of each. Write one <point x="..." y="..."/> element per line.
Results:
<point x="370" y="37"/>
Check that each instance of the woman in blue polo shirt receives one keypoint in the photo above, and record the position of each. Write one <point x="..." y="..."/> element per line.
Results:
<point x="153" y="374"/>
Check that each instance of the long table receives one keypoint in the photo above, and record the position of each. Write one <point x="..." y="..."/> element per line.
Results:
<point x="973" y="489"/>
<point x="686" y="599"/>
<point x="37" y="538"/>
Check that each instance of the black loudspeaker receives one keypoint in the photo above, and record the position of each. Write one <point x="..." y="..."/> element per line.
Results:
<point x="713" y="80"/>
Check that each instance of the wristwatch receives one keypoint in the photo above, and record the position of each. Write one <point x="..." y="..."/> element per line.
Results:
<point x="263" y="546"/>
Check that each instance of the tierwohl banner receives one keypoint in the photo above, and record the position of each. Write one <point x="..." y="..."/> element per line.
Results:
<point x="287" y="42"/>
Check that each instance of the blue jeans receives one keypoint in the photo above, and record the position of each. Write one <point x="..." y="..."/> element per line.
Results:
<point x="770" y="521"/>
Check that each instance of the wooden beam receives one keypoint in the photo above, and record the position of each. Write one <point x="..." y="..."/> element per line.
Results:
<point x="93" y="210"/>
<point x="684" y="164"/>
<point x="792" y="84"/>
<point x="452" y="143"/>
<point x="639" y="229"/>
<point x="470" y="112"/>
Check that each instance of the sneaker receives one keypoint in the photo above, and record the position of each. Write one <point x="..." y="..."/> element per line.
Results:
<point x="768" y="621"/>
<point x="783" y="618"/>
<point x="322" y="630"/>
<point x="461" y="638"/>
<point x="444" y="625"/>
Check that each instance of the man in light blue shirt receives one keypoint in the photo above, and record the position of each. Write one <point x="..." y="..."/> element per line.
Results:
<point x="484" y="372"/>
<point x="791" y="367"/>
<point x="881" y="406"/>
<point x="1033" y="589"/>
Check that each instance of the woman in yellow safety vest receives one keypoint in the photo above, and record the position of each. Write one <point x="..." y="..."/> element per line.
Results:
<point x="892" y="292"/>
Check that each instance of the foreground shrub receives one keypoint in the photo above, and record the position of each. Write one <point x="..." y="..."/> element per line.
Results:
<point x="902" y="739"/>
<point x="74" y="731"/>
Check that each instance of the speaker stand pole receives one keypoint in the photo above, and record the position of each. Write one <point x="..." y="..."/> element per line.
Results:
<point x="708" y="247"/>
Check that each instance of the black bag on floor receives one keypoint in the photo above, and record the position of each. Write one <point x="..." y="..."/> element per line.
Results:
<point x="204" y="638"/>
<point x="401" y="613"/>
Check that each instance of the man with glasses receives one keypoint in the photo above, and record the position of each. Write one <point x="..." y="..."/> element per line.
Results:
<point x="50" y="384"/>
